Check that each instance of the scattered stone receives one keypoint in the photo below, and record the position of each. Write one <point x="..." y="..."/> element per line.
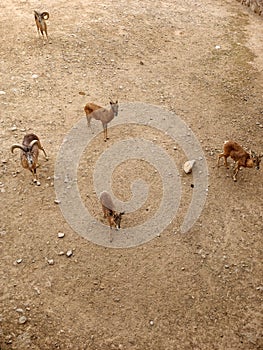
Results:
<point x="82" y="93"/>
<point x="14" y="128"/>
<point x="57" y="201"/>
<point x="18" y="261"/>
<point x="2" y="92"/>
<point x="151" y="323"/>
<point x="61" y="253"/>
<point x="188" y="166"/>
<point x="21" y="311"/>
<point x="50" y="261"/>
<point x="22" y="320"/>
<point x="69" y="253"/>
<point x="61" y="235"/>
<point x="34" y="76"/>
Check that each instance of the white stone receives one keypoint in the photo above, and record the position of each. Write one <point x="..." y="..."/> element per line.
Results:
<point x="188" y="166"/>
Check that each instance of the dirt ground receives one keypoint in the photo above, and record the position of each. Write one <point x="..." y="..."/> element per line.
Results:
<point x="199" y="290"/>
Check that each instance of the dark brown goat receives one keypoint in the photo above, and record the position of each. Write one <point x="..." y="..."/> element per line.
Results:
<point x="29" y="154"/>
<point x="41" y="18"/>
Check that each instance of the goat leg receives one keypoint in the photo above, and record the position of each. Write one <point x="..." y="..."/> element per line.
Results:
<point x="42" y="149"/>
<point x="35" y="177"/>
<point x="225" y="160"/>
<point x="236" y="170"/>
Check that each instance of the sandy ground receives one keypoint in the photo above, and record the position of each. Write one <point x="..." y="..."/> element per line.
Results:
<point x="199" y="290"/>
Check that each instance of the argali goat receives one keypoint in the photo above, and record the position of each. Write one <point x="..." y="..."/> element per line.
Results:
<point x="240" y="156"/>
<point x="29" y="154"/>
<point x="104" y="115"/>
<point x="109" y="211"/>
<point x="41" y="18"/>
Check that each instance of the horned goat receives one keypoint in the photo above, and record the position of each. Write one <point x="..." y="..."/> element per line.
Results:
<point x="240" y="156"/>
<point x="104" y="115"/>
<point x="41" y="18"/>
<point x="29" y="154"/>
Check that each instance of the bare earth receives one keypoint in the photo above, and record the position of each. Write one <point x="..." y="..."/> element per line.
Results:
<point x="201" y="290"/>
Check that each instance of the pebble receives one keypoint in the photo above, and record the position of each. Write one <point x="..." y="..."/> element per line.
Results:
<point x="57" y="201"/>
<point x="69" y="253"/>
<point x="2" y="92"/>
<point x="61" y="235"/>
<point x="151" y="323"/>
<point x="21" y="311"/>
<point x="14" y="128"/>
<point x="50" y="261"/>
<point x="34" y="76"/>
<point x="18" y="261"/>
<point x="22" y="320"/>
<point x="188" y="166"/>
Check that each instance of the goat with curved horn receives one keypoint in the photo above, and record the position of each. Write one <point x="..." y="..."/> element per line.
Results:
<point x="40" y="18"/>
<point x="29" y="153"/>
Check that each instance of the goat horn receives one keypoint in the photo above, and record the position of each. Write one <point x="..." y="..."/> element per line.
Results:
<point x="17" y="146"/>
<point x="32" y="143"/>
<point x="43" y="14"/>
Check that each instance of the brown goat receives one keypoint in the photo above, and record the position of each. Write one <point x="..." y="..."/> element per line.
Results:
<point x="29" y="154"/>
<point x="240" y="156"/>
<point x="109" y="211"/>
<point x="104" y="115"/>
<point x="41" y="18"/>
